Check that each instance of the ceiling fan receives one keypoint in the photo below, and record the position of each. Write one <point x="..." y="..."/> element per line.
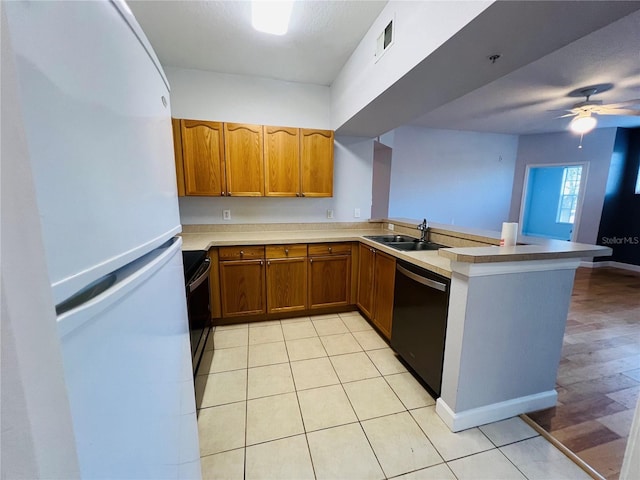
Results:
<point x="585" y="112"/>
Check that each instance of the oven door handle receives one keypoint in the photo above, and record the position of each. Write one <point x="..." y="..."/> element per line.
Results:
<point x="424" y="281"/>
<point x="201" y="275"/>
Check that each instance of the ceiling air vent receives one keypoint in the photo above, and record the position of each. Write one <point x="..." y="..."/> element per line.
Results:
<point x="385" y="40"/>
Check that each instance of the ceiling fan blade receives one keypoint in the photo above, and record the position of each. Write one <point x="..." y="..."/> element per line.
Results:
<point x="628" y="103"/>
<point x="620" y="111"/>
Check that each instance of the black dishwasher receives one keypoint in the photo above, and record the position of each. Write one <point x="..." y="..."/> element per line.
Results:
<point x="420" y="305"/>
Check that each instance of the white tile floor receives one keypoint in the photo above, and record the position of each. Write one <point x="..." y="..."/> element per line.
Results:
<point x="326" y="398"/>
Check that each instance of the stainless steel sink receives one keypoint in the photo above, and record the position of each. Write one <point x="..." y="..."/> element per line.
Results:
<point x="390" y="238"/>
<point x="416" y="246"/>
<point x="404" y="242"/>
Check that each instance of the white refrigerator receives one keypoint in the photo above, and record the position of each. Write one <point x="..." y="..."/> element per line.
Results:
<point x="96" y="110"/>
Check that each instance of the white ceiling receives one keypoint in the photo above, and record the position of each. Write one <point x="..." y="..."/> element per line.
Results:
<point x="513" y="96"/>
<point x="528" y="99"/>
<point x="218" y="36"/>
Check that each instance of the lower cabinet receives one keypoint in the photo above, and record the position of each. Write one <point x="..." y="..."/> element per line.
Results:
<point x="366" y="265"/>
<point x="383" y="286"/>
<point x="376" y="279"/>
<point x="276" y="279"/>
<point x="242" y="281"/>
<point x="286" y="278"/>
<point x="329" y="275"/>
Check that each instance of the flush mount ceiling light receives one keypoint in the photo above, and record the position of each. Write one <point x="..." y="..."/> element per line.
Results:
<point x="583" y="124"/>
<point x="271" y="16"/>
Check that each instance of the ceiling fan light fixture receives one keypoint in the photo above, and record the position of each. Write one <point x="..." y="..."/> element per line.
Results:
<point x="583" y="124"/>
<point x="271" y="16"/>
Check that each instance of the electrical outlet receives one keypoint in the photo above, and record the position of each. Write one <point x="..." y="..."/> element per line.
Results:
<point x="329" y="213"/>
<point x="226" y="214"/>
<point x="356" y="213"/>
<point x="392" y="226"/>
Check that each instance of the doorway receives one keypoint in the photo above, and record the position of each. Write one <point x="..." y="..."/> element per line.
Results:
<point x="552" y="200"/>
<point x="381" y="182"/>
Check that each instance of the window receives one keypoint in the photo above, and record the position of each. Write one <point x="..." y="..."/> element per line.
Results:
<point x="569" y="194"/>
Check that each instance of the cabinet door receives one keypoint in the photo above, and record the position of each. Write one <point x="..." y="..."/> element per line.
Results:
<point x="282" y="162"/>
<point x="286" y="284"/>
<point x="366" y="265"/>
<point x="329" y="281"/>
<point x="177" y="155"/>
<point x="316" y="162"/>
<point x="244" y="159"/>
<point x="384" y="282"/>
<point x="203" y="157"/>
<point x="242" y="288"/>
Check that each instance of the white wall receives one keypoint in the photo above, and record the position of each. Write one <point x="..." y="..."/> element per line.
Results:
<point x="353" y="158"/>
<point x="560" y="148"/>
<point x="222" y="97"/>
<point x="236" y="98"/>
<point x="420" y="28"/>
<point x="452" y="177"/>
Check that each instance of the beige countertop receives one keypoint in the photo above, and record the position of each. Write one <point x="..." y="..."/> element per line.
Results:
<point x="205" y="236"/>
<point x="528" y="248"/>
<point x="205" y="240"/>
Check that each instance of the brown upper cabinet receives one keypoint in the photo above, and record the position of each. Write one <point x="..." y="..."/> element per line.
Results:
<point x="244" y="159"/>
<point x="282" y="161"/>
<point x="202" y="157"/>
<point x="177" y="153"/>
<point x="236" y="159"/>
<point x="316" y="162"/>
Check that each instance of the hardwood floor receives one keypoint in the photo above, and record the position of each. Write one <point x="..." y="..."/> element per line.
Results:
<point x="598" y="380"/>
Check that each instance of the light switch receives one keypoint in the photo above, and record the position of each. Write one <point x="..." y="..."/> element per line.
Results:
<point x="356" y="213"/>
<point x="329" y="213"/>
<point x="226" y="214"/>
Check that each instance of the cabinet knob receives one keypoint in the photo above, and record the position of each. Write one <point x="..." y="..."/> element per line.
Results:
<point x="261" y="262"/>
<point x="241" y="253"/>
<point x="311" y="260"/>
<point x="297" y="194"/>
<point x="286" y="251"/>
<point x="223" y="194"/>
<point x="330" y="249"/>
<point x="228" y="194"/>
<point x="302" y="194"/>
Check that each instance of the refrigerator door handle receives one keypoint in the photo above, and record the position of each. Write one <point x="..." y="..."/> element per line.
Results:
<point x="120" y="283"/>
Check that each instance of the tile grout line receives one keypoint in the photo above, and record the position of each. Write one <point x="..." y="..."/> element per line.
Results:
<point x="359" y="421"/>
<point x="559" y="446"/>
<point x="304" y="426"/>
<point x="246" y="413"/>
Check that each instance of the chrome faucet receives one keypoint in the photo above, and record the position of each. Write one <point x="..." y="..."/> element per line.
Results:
<point x="424" y="228"/>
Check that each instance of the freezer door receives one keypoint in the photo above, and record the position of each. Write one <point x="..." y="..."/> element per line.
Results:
<point x="97" y="120"/>
<point x="127" y="368"/>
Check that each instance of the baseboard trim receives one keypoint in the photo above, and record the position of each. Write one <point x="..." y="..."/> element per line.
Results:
<point x="609" y="263"/>
<point x="494" y="412"/>
<point x="560" y="446"/>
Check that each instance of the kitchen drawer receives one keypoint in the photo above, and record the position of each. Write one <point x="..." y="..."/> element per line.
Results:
<point x="241" y="253"/>
<point x="286" y="251"/>
<point x="329" y="249"/>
